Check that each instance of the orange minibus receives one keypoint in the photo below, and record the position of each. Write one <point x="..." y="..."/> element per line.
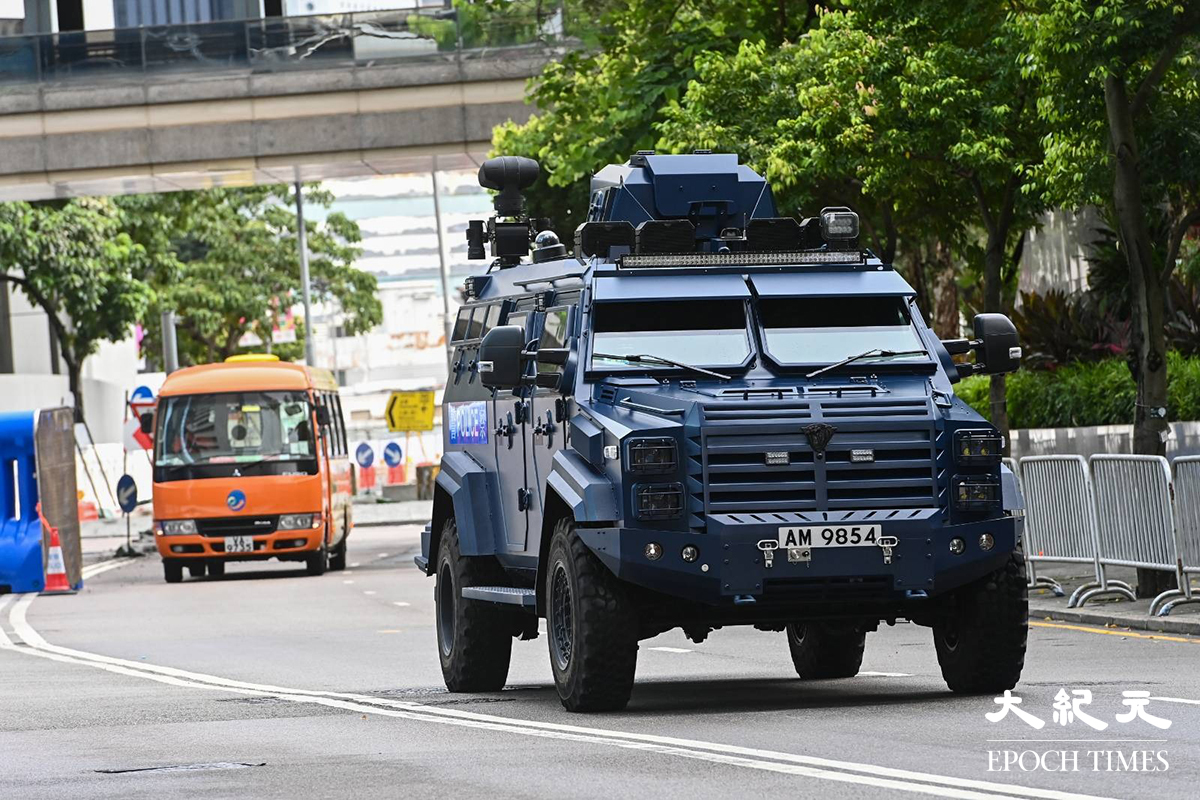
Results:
<point x="250" y="463"/>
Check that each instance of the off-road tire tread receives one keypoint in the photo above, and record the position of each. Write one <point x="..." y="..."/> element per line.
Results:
<point x="482" y="639"/>
<point x="994" y="630"/>
<point x="605" y="645"/>
<point x="824" y="654"/>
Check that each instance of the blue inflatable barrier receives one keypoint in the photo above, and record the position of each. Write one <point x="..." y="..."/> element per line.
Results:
<point x="28" y="438"/>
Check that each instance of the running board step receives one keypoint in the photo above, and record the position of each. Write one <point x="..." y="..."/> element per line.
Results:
<point x="502" y="594"/>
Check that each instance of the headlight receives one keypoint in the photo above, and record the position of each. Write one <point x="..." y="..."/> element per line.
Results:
<point x="978" y="447"/>
<point x="976" y="493"/>
<point x="659" y="501"/>
<point x="652" y="455"/>
<point x="176" y="527"/>
<point x="295" y="522"/>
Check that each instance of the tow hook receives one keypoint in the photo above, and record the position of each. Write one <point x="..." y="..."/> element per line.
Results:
<point x="768" y="547"/>
<point x="887" y="543"/>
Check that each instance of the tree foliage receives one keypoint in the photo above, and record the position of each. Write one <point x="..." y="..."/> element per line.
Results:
<point x="235" y="268"/>
<point x="75" y="260"/>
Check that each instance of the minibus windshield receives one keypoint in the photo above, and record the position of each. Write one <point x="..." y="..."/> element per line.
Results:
<point x="234" y="428"/>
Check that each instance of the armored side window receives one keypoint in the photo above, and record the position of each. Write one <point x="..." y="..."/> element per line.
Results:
<point x="475" y="328"/>
<point x="493" y="316"/>
<point x="461" y="324"/>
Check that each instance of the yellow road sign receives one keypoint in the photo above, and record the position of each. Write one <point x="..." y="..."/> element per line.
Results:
<point x="410" y="411"/>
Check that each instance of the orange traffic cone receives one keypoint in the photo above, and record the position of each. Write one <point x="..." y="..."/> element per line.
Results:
<point x="56" y="570"/>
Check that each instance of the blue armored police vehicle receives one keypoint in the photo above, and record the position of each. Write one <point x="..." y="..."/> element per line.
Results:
<point x="709" y="414"/>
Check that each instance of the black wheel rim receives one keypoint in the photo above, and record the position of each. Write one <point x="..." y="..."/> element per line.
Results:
<point x="796" y="631"/>
<point x="560" y="617"/>
<point x="950" y="637"/>
<point x="445" y="609"/>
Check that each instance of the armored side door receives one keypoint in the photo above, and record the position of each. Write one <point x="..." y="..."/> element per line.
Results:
<point x="546" y="432"/>
<point x="510" y="413"/>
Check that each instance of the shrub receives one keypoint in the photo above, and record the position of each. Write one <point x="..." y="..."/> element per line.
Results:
<point x="1079" y="394"/>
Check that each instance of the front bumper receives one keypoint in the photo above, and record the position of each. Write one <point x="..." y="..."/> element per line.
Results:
<point x="731" y="568"/>
<point x="269" y="545"/>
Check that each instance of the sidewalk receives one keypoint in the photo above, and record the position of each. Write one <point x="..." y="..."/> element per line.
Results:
<point x="1110" y="610"/>
<point x="404" y="512"/>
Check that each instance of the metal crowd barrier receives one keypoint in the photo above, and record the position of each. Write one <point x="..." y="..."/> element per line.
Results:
<point x="1187" y="520"/>
<point x="1135" y="511"/>
<point x="1060" y="523"/>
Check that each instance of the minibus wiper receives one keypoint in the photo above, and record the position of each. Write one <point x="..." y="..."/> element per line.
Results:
<point x="872" y="352"/>
<point x="647" y="358"/>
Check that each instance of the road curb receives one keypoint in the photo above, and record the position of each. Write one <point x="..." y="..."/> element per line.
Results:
<point x="1140" y="623"/>
<point x="385" y="522"/>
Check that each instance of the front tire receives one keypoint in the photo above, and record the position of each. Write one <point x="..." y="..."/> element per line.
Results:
<point x="821" y="651"/>
<point x="337" y="561"/>
<point x="592" y="627"/>
<point x="172" y="570"/>
<point x="474" y="636"/>
<point x="216" y="568"/>
<point x="196" y="570"/>
<point x="981" y="639"/>
<point x="316" y="563"/>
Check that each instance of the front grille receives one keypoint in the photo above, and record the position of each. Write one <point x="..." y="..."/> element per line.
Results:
<point x="237" y="526"/>
<point x="728" y="472"/>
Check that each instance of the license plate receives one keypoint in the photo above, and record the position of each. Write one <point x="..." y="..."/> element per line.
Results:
<point x="830" y="536"/>
<point x="239" y="544"/>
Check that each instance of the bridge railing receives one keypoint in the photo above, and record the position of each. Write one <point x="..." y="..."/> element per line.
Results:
<point x="271" y="44"/>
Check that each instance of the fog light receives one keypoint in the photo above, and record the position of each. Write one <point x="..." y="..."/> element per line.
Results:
<point x="654" y="551"/>
<point x="957" y="546"/>
<point x="986" y="541"/>
<point x="690" y="553"/>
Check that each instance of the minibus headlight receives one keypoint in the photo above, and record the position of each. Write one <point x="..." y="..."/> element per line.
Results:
<point x="176" y="527"/>
<point x="295" y="522"/>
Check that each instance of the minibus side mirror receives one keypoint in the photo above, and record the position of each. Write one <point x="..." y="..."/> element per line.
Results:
<point x="147" y="422"/>
<point x="323" y="416"/>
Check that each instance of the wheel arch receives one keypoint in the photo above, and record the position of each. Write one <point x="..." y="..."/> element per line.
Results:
<point x="467" y="491"/>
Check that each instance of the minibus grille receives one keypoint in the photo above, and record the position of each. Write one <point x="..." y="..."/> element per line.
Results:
<point x="237" y="526"/>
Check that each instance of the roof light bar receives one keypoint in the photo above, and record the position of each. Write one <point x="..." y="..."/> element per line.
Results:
<point x="796" y="258"/>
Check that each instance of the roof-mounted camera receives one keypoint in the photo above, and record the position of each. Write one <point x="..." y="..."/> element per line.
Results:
<point x="510" y="238"/>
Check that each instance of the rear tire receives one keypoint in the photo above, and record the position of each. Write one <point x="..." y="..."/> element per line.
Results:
<point x="981" y="640"/>
<point x="172" y="570"/>
<point x="592" y="626"/>
<point x="197" y="570"/>
<point x="474" y="637"/>
<point x="821" y="651"/>
<point x="316" y="563"/>
<point x="216" y="569"/>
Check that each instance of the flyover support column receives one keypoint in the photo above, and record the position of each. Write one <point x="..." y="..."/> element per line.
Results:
<point x="302" y="243"/>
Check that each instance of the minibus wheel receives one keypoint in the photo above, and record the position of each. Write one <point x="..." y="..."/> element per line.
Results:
<point x="172" y="570"/>
<point x="337" y="561"/>
<point x="216" y="568"/>
<point x="316" y="563"/>
<point x="196" y="570"/>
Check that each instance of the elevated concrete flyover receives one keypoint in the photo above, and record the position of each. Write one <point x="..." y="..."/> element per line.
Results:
<point x="257" y="101"/>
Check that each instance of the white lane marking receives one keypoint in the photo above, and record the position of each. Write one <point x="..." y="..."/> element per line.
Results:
<point x="1177" y="700"/>
<point x="4" y="640"/>
<point x="355" y="564"/>
<point x="401" y="604"/>
<point x="383" y="555"/>
<point x="93" y="570"/>
<point x="368" y="592"/>
<point x="809" y="766"/>
<point x="670" y="649"/>
<point x="347" y="582"/>
<point x="872" y="674"/>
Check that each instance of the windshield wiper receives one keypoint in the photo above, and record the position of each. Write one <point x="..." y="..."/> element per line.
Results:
<point x="647" y="358"/>
<point x="872" y="352"/>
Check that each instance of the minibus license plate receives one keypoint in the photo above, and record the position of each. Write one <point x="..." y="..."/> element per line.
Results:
<point x="239" y="544"/>
<point x="830" y="536"/>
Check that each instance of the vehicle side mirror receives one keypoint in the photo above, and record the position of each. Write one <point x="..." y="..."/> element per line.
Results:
<point x="147" y="422"/>
<point x="500" y="357"/>
<point x="323" y="418"/>
<point x="997" y="349"/>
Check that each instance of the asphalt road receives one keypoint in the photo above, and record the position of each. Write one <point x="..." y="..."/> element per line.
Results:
<point x="270" y="683"/>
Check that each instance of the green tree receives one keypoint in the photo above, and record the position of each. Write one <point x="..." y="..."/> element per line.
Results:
<point x="75" y="261"/>
<point x="918" y="114"/>
<point x="1120" y="90"/>
<point x="236" y="267"/>
<point x="600" y="105"/>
